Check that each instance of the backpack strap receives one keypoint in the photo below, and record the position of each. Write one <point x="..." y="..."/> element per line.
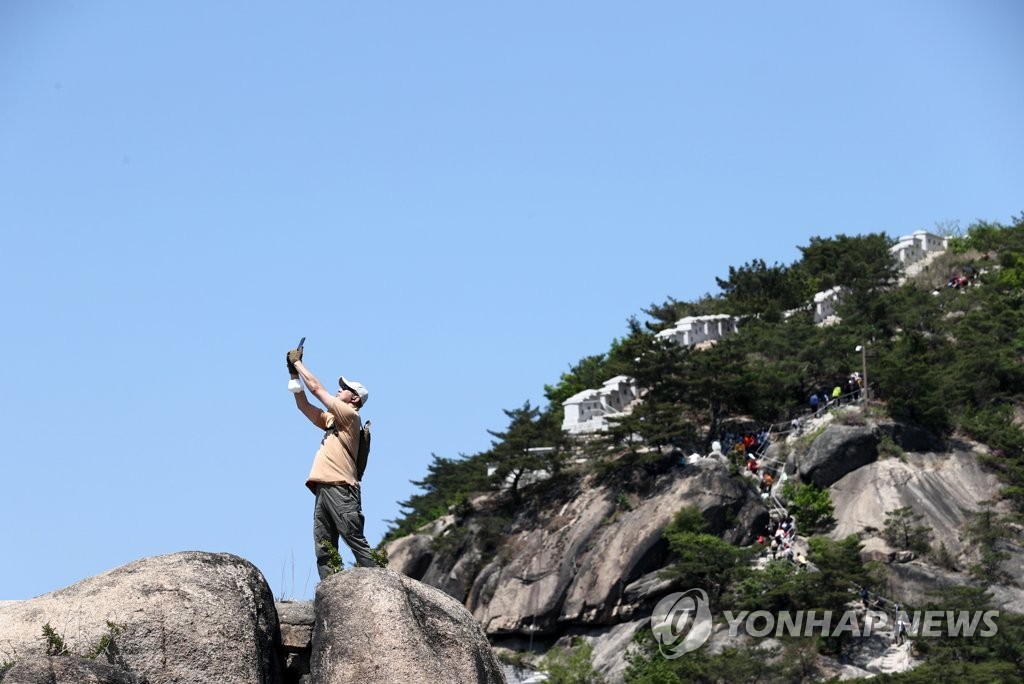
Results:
<point x="363" y="453"/>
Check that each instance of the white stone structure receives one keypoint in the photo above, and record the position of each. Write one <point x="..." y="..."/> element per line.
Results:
<point x="825" y="303"/>
<point x="587" y="411"/>
<point x="694" y="330"/>
<point x="910" y="249"/>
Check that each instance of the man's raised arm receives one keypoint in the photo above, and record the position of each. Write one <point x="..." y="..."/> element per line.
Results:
<point x="312" y="384"/>
<point x="311" y="412"/>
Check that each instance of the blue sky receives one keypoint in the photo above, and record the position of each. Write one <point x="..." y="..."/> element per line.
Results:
<point x="452" y="201"/>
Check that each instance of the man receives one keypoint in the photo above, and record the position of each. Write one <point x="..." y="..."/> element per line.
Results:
<point x="899" y="634"/>
<point x="333" y="478"/>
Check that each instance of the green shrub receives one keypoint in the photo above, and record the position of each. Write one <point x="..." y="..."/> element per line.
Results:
<point x="334" y="560"/>
<point x="571" y="665"/>
<point x="903" y="531"/>
<point x="703" y="560"/>
<point x="380" y="556"/>
<point x="887" y="448"/>
<point x="809" y="504"/>
<point x="55" y="645"/>
<point x="851" y="417"/>
<point x="944" y="559"/>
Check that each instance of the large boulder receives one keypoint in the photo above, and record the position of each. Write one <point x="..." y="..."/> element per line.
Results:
<point x="839" y="450"/>
<point x="376" y="625"/>
<point x="411" y="555"/>
<point x="940" y="488"/>
<point x="910" y="437"/>
<point x="66" y="670"/>
<point x="189" y="617"/>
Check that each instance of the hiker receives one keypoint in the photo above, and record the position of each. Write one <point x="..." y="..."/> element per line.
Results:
<point x="853" y="387"/>
<point x="837" y="395"/>
<point x="333" y="477"/>
<point x="899" y="634"/>
<point x="864" y="597"/>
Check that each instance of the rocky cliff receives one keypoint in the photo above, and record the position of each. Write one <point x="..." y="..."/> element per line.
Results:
<point x="584" y="555"/>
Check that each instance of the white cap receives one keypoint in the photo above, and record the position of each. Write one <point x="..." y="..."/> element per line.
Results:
<point x="357" y="387"/>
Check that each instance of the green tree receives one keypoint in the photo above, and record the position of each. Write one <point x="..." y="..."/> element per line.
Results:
<point x="572" y="665"/>
<point x="703" y="560"/>
<point x="985" y="530"/>
<point x="447" y="483"/>
<point x="733" y="665"/>
<point x="839" y="572"/>
<point x="757" y="289"/>
<point x="588" y="373"/>
<point x="712" y="385"/>
<point x="774" y="375"/>
<point x="861" y="263"/>
<point x="668" y="313"/>
<point x="904" y="531"/>
<point x="656" y="366"/>
<point x="810" y="505"/>
<point x="515" y="451"/>
<point x="773" y="588"/>
<point x="913" y="373"/>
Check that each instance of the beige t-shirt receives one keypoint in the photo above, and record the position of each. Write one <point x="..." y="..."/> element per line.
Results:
<point x="335" y="461"/>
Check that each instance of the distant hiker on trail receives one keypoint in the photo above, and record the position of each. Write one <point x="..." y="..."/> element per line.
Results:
<point x="899" y="634"/>
<point x="333" y="477"/>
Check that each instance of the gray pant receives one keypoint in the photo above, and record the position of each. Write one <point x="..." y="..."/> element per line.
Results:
<point x="338" y="512"/>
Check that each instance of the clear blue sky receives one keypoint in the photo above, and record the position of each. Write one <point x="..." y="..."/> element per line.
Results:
<point x="453" y="202"/>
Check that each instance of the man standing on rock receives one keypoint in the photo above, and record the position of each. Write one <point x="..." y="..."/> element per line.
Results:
<point x="333" y="478"/>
